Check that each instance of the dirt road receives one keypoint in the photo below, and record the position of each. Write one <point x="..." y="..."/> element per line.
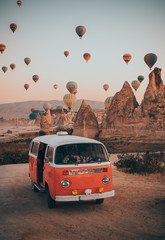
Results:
<point x="136" y="212"/>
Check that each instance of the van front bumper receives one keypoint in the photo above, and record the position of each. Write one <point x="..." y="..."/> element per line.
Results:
<point x="85" y="197"/>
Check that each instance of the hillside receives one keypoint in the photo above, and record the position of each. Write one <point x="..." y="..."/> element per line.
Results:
<point x="22" y="109"/>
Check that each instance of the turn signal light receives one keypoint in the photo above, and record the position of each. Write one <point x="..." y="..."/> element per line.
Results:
<point x="101" y="189"/>
<point x="65" y="172"/>
<point x="74" y="192"/>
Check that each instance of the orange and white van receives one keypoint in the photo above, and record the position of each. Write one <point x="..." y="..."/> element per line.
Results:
<point x="70" y="168"/>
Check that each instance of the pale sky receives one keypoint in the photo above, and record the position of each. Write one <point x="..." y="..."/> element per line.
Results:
<point x="45" y="29"/>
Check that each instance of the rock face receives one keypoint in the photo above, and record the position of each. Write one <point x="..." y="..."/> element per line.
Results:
<point x="46" y="122"/>
<point x="126" y="119"/>
<point x="38" y="119"/>
<point x="86" y="124"/>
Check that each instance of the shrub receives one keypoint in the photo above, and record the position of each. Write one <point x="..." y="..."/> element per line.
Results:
<point x="136" y="163"/>
<point x="14" y="157"/>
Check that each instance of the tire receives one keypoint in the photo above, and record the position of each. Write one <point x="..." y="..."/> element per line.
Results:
<point x="100" y="201"/>
<point x="51" y="202"/>
<point x="34" y="188"/>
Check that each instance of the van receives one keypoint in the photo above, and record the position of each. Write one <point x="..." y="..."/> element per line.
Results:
<point x="70" y="168"/>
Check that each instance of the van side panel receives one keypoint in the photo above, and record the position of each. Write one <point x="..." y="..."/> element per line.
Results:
<point x="49" y="178"/>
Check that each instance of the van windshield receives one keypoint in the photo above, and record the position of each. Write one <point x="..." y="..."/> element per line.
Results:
<point x="80" y="153"/>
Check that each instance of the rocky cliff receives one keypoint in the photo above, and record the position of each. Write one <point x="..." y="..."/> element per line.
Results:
<point x="86" y="124"/>
<point x="125" y="118"/>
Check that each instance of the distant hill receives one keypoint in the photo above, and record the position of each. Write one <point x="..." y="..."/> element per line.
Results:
<point x="22" y="109"/>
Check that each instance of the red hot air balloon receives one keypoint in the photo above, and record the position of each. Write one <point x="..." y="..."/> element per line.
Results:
<point x="12" y="66"/>
<point x="35" y="78"/>
<point x="127" y="57"/>
<point x="80" y="30"/>
<point x="13" y="27"/>
<point x="26" y="86"/>
<point x="66" y="53"/>
<point x="4" y="69"/>
<point x="2" y="48"/>
<point x="19" y="3"/>
<point x="87" y="56"/>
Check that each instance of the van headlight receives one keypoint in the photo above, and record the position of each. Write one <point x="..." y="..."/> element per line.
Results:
<point x="106" y="180"/>
<point x="65" y="183"/>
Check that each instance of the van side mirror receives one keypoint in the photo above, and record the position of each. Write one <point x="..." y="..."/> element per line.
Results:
<point x="46" y="160"/>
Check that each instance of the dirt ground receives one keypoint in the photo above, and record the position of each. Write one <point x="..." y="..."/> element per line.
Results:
<point x="136" y="212"/>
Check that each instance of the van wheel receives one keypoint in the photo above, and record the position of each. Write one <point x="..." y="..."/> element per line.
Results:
<point x="51" y="202"/>
<point x="99" y="201"/>
<point x="34" y="188"/>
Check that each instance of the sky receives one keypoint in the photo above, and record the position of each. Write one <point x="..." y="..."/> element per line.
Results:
<point x="45" y="29"/>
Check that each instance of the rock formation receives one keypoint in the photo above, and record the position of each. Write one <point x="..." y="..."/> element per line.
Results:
<point x="38" y="119"/>
<point x="86" y="124"/>
<point x="126" y="119"/>
<point x="46" y="122"/>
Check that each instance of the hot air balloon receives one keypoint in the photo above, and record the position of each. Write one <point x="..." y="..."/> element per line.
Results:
<point x="47" y="106"/>
<point x="55" y="86"/>
<point x="74" y="92"/>
<point x="140" y="78"/>
<point x="27" y="60"/>
<point x="135" y="84"/>
<point x="4" y="69"/>
<point x="127" y="57"/>
<point x="108" y="101"/>
<point x="69" y="100"/>
<point x="2" y="48"/>
<point x="87" y="56"/>
<point x="32" y="109"/>
<point x="71" y="86"/>
<point x="33" y="116"/>
<point x="37" y="111"/>
<point x="66" y="53"/>
<point x="19" y="3"/>
<point x="13" y="27"/>
<point x="12" y="66"/>
<point x="105" y="86"/>
<point x="150" y="59"/>
<point x="80" y="30"/>
<point x="35" y="78"/>
<point x="26" y="86"/>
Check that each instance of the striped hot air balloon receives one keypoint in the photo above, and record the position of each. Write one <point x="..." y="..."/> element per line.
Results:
<point x="135" y="84"/>
<point x="4" y="69"/>
<point x="127" y="57"/>
<point x="35" y="78"/>
<point x="87" y="56"/>
<point x="66" y="53"/>
<point x="12" y="66"/>
<point x="69" y="100"/>
<point x="105" y="86"/>
<point x="26" y="86"/>
<point x="107" y="102"/>
<point x="150" y="59"/>
<point x="19" y="2"/>
<point x="80" y="30"/>
<point x="140" y="78"/>
<point x="27" y="60"/>
<point x="13" y="27"/>
<point x="2" y="48"/>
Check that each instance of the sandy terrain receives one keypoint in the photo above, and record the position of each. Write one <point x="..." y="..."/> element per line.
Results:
<point x="136" y="212"/>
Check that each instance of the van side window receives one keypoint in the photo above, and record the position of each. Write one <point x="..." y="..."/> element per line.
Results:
<point x="34" y="148"/>
<point x="49" y="153"/>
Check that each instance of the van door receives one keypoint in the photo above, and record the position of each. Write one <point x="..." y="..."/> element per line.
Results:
<point x="48" y="168"/>
<point x="33" y="169"/>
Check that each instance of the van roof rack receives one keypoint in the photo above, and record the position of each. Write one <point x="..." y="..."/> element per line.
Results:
<point x="62" y="133"/>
